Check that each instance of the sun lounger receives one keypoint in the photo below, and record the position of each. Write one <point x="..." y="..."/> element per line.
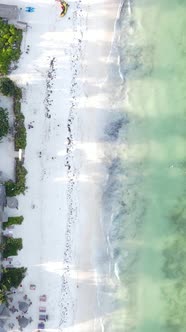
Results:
<point x="30" y="9"/>
<point x="43" y="317"/>
<point x="43" y="298"/>
<point x="9" y="259"/>
<point x="32" y="287"/>
<point x="41" y="326"/>
<point x="42" y="309"/>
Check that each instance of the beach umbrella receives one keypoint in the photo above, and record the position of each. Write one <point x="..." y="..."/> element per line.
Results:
<point x="23" y="306"/>
<point x="4" y="312"/>
<point x="23" y="322"/>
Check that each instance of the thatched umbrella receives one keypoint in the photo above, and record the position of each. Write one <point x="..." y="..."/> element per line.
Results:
<point x="2" y="322"/>
<point x="23" y="322"/>
<point x="23" y="306"/>
<point x="2" y="329"/>
<point x="12" y="202"/>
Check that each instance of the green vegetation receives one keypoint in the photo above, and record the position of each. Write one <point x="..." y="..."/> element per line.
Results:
<point x="11" y="246"/>
<point x="20" y="130"/>
<point x="13" y="221"/>
<point x="4" y="126"/>
<point x="12" y="277"/>
<point x="3" y="296"/>
<point x="18" y="93"/>
<point x="7" y="87"/>
<point x="18" y="187"/>
<point x="10" y="43"/>
<point x="2" y="246"/>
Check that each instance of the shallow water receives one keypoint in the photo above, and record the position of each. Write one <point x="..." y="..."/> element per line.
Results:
<point x="147" y="177"/>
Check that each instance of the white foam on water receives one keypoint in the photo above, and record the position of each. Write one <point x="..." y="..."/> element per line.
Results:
<point x="116" y="271"/>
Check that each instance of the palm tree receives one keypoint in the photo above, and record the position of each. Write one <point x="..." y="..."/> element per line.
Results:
<point x="3" y="294"/>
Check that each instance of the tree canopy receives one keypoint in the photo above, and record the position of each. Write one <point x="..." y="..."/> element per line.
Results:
<point x="12" y="277"/>
<point x="10" y="41"/>
<point x="7" y="87"/>
<point x="4" y="126"/>
<point x="11" y="246"/>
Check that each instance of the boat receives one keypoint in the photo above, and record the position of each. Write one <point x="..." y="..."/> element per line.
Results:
<point x="64" y="7"/>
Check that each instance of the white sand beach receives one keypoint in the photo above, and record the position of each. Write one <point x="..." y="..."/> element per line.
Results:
<point x="65" y="103"/>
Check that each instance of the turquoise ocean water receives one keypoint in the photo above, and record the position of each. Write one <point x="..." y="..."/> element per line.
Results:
<point x="147" y="173"/>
